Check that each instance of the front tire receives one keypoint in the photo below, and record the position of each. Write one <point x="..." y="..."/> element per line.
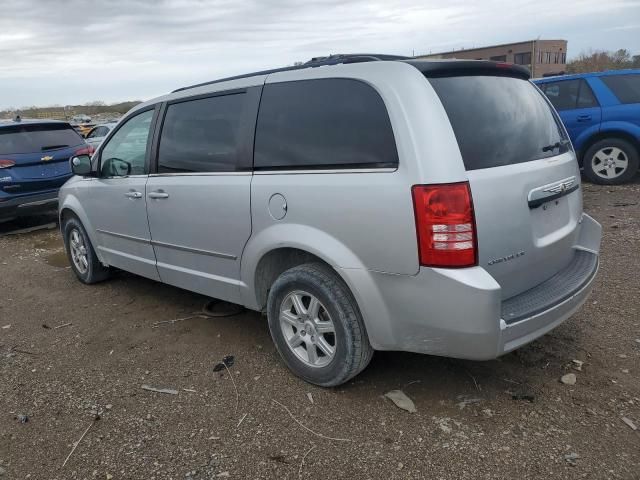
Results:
<point x="611" y="161"/>
<point x="81" y="255"/>
<point x="316" y="325"/>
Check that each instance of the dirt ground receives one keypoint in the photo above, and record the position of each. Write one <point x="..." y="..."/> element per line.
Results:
<point x="69" y="352"/>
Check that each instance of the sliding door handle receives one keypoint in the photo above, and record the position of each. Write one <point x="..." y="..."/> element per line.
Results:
<point x="133" y="194"/>
<point x="158" y="195"/>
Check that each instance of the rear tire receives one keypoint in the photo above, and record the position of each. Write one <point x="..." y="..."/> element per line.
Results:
<point x="316" y="325"/>
<point x="610" y="161"/>
<point x="82" y="257"/>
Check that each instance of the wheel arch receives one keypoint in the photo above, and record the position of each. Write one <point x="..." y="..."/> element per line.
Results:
<point x="71" y="207"/>
<point x="284" y="246"/>
<point x="604" y="134"/>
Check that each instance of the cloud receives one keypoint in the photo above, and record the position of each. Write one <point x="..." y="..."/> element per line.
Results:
<point x="72" y="51"/>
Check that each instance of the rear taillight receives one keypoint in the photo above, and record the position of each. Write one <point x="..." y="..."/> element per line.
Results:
<point x="7" y="163"/>
<point x="86" y="150"/>
<point x="445" y="225"/>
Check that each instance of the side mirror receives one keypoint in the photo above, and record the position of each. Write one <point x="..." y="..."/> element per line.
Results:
<point x="81" y="165"/>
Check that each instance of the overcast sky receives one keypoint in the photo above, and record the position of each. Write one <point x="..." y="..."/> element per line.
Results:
<point x="76" y="51"/>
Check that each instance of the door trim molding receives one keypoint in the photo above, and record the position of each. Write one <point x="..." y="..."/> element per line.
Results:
<point x="155" y="243"/>
<point x="122" y="235"/>
<point x="193" y="250"/>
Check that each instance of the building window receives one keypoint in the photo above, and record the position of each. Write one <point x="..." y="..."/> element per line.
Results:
<point x="563" y="58"/>
<point x="522" y="58"/>
<point x="547" y="57"/>
<point x="499" y="58"/>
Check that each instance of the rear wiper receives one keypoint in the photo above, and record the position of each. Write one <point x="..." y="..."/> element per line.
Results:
<point x="53" y="147"/>
<point x="552" y="147"/>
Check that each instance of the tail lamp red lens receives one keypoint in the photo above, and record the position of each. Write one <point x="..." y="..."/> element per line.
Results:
<point x="87" y="150"/>
<point x="7" y="163"/>
<point x="445" y="225"/>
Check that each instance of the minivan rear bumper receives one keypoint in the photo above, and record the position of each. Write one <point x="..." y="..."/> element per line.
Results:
<point x="461" y="313"/>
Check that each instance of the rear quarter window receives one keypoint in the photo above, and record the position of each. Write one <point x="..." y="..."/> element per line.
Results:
<point x="324" y="123"/>
<point x="36" y="138"/>
<point x="625" y="87"/>
<point x="499" y="120"/>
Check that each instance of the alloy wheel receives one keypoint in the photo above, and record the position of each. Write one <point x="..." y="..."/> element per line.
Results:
<point x="308" y="329"/>
<point x="79" y="254"/>
<point x="609" y="162"/>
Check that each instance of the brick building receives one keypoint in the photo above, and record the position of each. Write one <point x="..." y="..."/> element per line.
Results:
<point x="540" y="56"/>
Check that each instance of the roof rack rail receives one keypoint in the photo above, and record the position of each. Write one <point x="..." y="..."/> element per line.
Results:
<point x="314" y="62"/>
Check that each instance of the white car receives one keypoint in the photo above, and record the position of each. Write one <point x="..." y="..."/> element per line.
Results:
<point x="97" y="133"/>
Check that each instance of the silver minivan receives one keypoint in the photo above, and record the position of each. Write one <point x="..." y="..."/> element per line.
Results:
<point x="362" y="202"/>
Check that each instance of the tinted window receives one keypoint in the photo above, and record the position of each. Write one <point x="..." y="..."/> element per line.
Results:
<point x="625" y="87"/>
<point x="499" y="58"/>
<point x="586" y="98"/>
<point x="323" y="124"/>
<point x="499" y="120"/>
<point x="125" y="152"/>
<point x="202" y="135"/>
<point x="37" y="138"/>
<point x="569" y="94"/>
<point x="522" y="58"/>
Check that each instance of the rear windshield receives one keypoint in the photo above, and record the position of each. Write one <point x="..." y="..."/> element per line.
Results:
<point x="37" y="138"/>
<point x="499" y="120"/>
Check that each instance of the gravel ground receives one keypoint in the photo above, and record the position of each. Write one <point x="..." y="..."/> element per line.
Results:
<point x="508" y="418"/>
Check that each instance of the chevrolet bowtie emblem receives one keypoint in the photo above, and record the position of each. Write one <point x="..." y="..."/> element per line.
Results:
<point x="46" y="158"/>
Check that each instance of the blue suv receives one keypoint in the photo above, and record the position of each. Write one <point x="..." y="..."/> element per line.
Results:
<point x="34" y="164"/>
<point x="601" y="112"/>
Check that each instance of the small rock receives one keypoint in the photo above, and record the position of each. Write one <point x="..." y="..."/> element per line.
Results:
<point x="569" y="379"/>
<point x="487" y="412"/>
<point x="2" y="471"/>
<point x="223" y="474"/>
<point x="622" y="355"/>
<point x="22" y="418"/>
<point x="625" y="370"/>
<point x="577" y="364"/>
<point x="401" y="400"/>
<point x="637" y="340"/>
<point x="630" y="423"/>
<point x="310" y="397"/>
<point x="108" y="406"/>
<point x="571" y="458"/>
<point x="109" y="476"/>
<point x="6" y="327"/>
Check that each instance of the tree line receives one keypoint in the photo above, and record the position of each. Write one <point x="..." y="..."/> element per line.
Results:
<point x="601" y="60"/>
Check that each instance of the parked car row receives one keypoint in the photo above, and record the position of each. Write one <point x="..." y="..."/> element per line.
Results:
<point x="374" y="203"/>
<point x="34" y="164"/>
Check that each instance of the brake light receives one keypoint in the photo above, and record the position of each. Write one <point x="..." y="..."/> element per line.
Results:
<point x="7" y="163"/>
<point x="445" y="225"/>
<point x="86" y="150"/>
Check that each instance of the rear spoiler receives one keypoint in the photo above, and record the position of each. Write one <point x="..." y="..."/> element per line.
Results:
<point x="458" y="68"/>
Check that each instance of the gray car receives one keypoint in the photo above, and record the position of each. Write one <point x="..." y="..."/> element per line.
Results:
<point x="98" y="133"/>
<point x="362" y="202"/>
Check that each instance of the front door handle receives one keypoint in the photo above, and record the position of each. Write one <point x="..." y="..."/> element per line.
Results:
<point x="584" y="118"/>
<point x="133" y="194"/>
<point x="158" y="194"/>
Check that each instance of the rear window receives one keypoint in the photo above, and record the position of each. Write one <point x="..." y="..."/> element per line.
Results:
<point x="499" y="120"/>
<point x="36" y="138"/>
<point x="324" y="123"/>
<point x="625" y="87"/>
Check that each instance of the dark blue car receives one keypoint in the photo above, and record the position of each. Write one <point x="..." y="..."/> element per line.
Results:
<point x="601" y="112"/>
<point x="34" y="164"/>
